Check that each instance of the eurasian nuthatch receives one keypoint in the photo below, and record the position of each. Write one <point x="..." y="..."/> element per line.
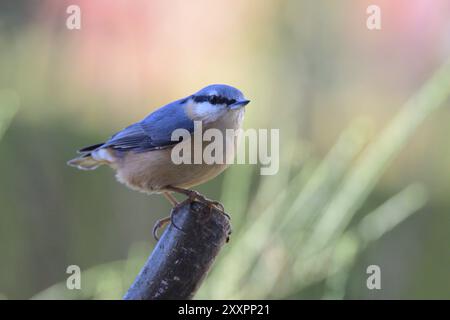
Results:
<point x="141" y="153"/>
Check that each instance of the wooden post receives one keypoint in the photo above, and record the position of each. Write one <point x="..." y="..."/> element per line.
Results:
<point x="182" y="257"/>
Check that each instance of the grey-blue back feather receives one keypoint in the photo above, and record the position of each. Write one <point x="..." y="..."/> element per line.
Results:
<point x="153" y="132"/>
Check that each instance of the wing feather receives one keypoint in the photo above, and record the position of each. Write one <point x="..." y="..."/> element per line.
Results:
<point x="154" y="132"/>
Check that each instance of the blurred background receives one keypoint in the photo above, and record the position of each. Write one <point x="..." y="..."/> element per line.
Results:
<point x="364" y="127"/>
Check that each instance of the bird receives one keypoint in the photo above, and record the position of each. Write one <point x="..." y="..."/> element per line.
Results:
<point x="141" y="153"/>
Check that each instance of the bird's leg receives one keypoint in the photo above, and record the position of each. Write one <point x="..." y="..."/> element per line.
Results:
<point x="162" y="222"/>
<point x="159" y="224"/>
<point x="194" y="195"/>
<point x="173" y="201"/>
<point x="175" y="205"/>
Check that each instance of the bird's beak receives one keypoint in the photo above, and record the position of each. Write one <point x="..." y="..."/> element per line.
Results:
<point x="239" y="104"/>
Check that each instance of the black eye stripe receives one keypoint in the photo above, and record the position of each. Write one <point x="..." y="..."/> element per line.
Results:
<point x="213" y="99"/>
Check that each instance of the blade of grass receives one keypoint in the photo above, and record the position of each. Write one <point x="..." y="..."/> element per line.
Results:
<point x="9" y="105"/>
<point x="362" y="179"/>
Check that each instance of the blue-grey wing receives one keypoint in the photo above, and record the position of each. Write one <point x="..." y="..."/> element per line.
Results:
<point x="154" y="132"/>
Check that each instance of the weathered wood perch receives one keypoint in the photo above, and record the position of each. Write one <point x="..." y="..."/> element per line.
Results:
<point x="182" y="258"/>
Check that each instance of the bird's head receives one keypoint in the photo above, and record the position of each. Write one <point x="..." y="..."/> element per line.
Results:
<point x="215" y="101"/>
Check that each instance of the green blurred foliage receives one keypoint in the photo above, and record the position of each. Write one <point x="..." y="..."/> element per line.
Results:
<point x="363" y="117"/>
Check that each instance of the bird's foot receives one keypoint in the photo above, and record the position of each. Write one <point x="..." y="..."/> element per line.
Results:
<point x="192" y="195"/>
<point x="162" y="222"/>
<point x="158" y="225"/>
<point x="212" y="204"/>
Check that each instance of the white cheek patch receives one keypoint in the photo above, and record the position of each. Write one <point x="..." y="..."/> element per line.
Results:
<point x="208" y="112"/>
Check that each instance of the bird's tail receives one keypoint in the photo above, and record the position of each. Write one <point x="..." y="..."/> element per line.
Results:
<point x="91" y="157"/>
<point x="85" y="162"/>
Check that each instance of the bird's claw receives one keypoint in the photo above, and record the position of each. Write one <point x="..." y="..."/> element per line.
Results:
<point x="162" y="222"/>
<point x="192" y="196"/>
<point x="212" y="204"/>
<point x="158" y="225"/>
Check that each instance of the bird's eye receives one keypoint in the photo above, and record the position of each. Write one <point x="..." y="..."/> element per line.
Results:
<point x="213" y="99"/>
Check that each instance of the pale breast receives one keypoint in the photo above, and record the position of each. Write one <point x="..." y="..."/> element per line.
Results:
<point x="153" y="171"/>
